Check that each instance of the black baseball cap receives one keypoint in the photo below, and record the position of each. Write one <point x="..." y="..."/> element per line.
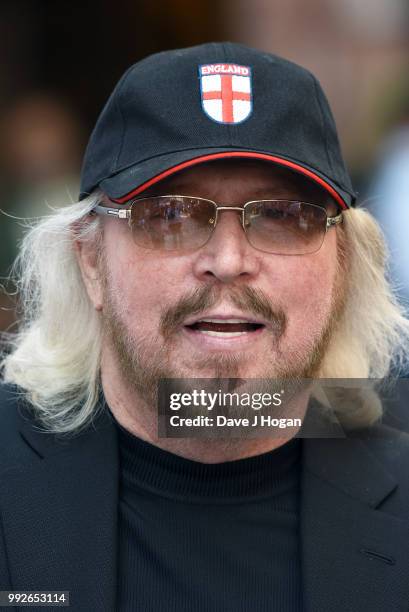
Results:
<point x="178" y="108"/>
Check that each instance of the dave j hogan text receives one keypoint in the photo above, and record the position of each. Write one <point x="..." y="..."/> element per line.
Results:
<point x="258" y="420"/>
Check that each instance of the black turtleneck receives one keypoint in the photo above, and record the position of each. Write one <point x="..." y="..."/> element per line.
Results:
<point x="196" y="537"/>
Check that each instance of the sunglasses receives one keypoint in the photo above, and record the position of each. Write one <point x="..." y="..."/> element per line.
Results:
<point x="178" y="223"/>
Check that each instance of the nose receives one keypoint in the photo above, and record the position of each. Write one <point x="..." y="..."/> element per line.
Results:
<point x="227" y="256"/>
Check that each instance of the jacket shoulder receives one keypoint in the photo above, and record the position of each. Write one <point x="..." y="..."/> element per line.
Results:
<point x="13" y="410"/>
<point x="390" y="447"/>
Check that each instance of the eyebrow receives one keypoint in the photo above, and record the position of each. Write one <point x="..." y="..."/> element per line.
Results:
<point x="188" y="187"/>
<point x="287" y="187"/>
<point x="265" y="192"/>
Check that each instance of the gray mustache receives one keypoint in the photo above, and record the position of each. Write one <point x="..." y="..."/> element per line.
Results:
<point x="246" y="298"/>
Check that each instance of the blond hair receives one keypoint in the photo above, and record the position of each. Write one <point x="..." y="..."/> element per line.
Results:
<point x="54" y="357"/>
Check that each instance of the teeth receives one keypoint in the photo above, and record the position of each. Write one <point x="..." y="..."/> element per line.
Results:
<point x="224" y="321"/>
<point x="217" y="334"/>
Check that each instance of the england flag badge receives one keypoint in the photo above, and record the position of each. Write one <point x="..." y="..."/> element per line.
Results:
<point x="226" y="92"/>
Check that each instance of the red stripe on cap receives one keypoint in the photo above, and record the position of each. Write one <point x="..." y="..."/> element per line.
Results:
<point x="240" y="154"/>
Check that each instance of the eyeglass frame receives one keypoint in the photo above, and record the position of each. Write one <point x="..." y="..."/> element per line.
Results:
<point x="126" y="213"/>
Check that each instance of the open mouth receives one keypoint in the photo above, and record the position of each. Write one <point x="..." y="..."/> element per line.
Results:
<point x="227" y="328"/>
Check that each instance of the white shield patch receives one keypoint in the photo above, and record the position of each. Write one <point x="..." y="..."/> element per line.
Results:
<point x="226" y="92"/>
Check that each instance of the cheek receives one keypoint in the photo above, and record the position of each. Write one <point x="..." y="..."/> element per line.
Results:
<point x="307" y="289"/>
<point x="141" y="284"/>
<point x="138" y="297"/>
<point x="312" y="293"/>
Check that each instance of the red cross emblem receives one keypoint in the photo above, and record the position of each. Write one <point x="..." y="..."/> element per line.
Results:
<point x="226" y="92"/>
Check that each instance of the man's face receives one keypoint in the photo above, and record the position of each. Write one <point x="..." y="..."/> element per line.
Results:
<point x="270" y="315"/>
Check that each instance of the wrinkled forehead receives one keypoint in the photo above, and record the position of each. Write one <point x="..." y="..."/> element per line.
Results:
<point x="257" y="180"/>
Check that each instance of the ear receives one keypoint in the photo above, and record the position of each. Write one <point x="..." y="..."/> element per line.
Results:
<point x="88" y="256"/>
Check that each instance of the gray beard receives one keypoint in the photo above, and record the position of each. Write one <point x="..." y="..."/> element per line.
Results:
<point x="142" y="364"/>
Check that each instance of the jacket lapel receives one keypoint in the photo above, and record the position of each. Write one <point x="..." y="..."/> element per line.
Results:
<point x="354" y="555"/>
<point x="60" y="523"/>
<point x="60" y="516"/>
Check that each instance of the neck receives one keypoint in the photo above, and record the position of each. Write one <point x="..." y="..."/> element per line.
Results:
<point x="141" y="419"/>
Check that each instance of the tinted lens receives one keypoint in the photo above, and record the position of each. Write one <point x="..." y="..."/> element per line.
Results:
<point x="285" y="228"/>
<point x="172" y="222"/>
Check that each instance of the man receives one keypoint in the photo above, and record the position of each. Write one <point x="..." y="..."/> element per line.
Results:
<point x="214" y="238"/>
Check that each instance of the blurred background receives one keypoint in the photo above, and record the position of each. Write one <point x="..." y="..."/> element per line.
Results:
<point x="60" y="61"/>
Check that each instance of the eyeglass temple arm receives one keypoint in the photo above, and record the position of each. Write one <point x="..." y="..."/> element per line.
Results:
<point x="112" y="212"/>
<point x="331" y="221"/>
<point x="125" y="214"/>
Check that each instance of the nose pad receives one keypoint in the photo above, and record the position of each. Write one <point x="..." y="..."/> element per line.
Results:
<point x="227" y="255"/>
<point x="223" y="221"/>
<point x="227" y="228"/>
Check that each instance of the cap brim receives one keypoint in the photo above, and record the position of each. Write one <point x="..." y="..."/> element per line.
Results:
<point x="132" y="181"/>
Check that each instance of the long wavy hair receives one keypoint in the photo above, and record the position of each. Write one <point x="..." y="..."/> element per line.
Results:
<point x="54" y="357"/>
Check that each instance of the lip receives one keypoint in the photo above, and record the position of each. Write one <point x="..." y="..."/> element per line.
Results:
<point x="207" y="342"/>
<point x="224" y="316"/>
<point x="204" y="341"/>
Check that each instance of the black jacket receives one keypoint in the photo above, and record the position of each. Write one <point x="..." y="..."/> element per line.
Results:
<point x="58" y="515"/>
